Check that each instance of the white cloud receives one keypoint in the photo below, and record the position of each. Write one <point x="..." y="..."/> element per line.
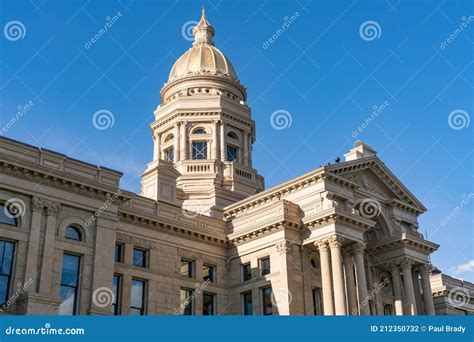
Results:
<point x="464" y="268"/>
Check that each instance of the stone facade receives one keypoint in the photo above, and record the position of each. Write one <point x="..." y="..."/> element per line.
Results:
<point x="342" y="239"/>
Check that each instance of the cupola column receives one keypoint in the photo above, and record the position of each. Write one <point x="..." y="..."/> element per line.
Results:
<point x="156" y="146"/>
<point x="222" y="143"/>
<point x="246" y="149"/>
<point x="214" y="148"/>
<point x="183" y="137"/>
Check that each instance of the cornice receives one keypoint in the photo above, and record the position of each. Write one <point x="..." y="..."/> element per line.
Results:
<point x="147" y="221"/>
<point x="248" y="235"/>
<point x="401" y="241"/>
<point x="55" y="179"/>
<point x="335" y="215"/>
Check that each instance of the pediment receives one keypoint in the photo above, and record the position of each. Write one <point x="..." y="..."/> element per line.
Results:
<point x="375" y="178"/>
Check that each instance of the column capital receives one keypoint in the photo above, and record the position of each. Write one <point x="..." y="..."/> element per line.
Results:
<point x="284" y="246"/>
<point x="425" y="268"/>
<point x="393" y="267"/>
<point x="359" y="247"/>
<point x="407" y="263"/>
<point x="321" y="245"/>
<point x="346" y="253"/>
<point x="335" y="241"/>
<point x="37" y="204"/>
<point x="52" y="208"/>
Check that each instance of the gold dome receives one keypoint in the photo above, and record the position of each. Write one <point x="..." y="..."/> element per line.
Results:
<point x="203" y="58"/>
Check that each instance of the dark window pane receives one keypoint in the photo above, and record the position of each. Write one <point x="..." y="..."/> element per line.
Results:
<point x="209" y="273"/>
<point x="8" y="215"/>
<point x="199" y="150"/>
<point x="118" y="253"/>
<point x="68" y="298"/>
<point x="317" y="302"/>
<point x="208" y="304"/>
<point x="267" y="305"/>
<point x="69" y="284"/>
<point x="73" y="234"/>
<point x="70" y="270"/>
<point x="116" y="288"/>
<point x="246" y="272"/>
<point x="169" y="155"/>
<point x="247" y="303"/>
<point x="6" y="257"/>
<point x="187" y="302"/>
<point x="4" y="287"/>
<point x="231" y="153"/>
<point x="139" y="257"/>
<point x="199" y="131"/>
<point x="137" y="302"/>
<point x="264" y="266"/>
<point x="187" y="268"/>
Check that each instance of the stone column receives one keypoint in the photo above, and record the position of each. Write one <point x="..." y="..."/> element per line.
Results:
<point x="350" y="282"/>
<point x="397" y="288"/>
<point x="156" y="146"/>
<point x="222" y="142"/>
<point x="427" y="294"/>
<point x="46" y="280"/>
<point x="31" y="271"/>
<point x="358" y="250"/>
<point x="177" y="148"/>
<point x="337" y="275"/>
<point x="214" y="144"/>
<point x="246" y="149"/>
<point x="184" y="140"/>
<point x="176" y="143"/>
<point x="326" y="277"/>
<point x="408" y="283"/>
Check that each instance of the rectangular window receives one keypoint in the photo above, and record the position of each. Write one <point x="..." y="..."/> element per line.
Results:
<point x="140" y="257"/>
<point x="267" y="305"/>
<point x="247" y="303"/>
<point x="264" y="266"/>
<point x="137" y="303"/>
<point x="231" y="153"/>
<point x="187" y="302"/>
<point x="199" y="150"/>
<point x="246" y="272"/>
<point x="317" y="302"/>
<point x="208" y="304"/>
<point x="187" y="268"/>
<point x="7" y="250"/>
<point x="118" y="252"/>
<point x="169" y="155"/>
<point x="117" y="294"/>
<point x="69" y="284"/>
<point x="209" y="273"/>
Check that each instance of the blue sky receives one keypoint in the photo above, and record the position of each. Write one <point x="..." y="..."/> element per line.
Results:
<point x="324" y="70"/>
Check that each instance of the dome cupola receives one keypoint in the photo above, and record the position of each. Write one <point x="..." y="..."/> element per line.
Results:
<point x="203" y="69"/>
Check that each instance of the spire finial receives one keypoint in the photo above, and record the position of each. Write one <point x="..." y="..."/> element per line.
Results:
<point x="203" y="31"/>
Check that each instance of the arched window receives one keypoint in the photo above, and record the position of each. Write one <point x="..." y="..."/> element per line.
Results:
<point x="73" y="233"/>
<point x="169" y="137"/>
<point x="8" y="216"/>
<point x="199" y="131"/>
<point x="232" y="135"/>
